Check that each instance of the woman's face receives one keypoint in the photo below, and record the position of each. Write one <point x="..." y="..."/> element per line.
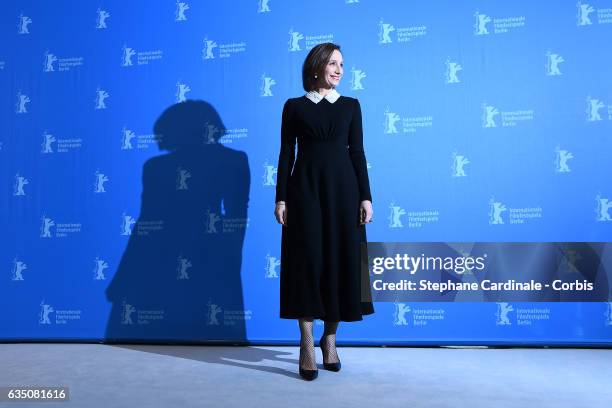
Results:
<point x="334" y="70"/>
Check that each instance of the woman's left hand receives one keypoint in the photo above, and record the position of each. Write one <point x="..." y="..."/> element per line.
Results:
<point x="365" y="212"/>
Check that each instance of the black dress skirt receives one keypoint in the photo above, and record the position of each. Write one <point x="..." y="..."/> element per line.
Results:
<point x="320" y="270"/>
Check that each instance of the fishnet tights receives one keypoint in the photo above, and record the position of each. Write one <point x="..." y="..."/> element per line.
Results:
<point x="328" y="341"/>
<point x="307" y="352"/>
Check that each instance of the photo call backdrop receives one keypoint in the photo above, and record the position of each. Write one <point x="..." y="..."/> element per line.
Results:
<point x="139" y="142"/>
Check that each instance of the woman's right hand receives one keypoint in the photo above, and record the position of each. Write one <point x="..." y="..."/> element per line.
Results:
<point x="280" y="212"/>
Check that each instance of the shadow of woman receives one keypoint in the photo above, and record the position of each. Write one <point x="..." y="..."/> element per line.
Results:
<point x="252" y="358"/>
<point x="179" y="277"/>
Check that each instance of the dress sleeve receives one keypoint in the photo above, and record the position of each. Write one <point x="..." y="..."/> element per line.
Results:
<point x="286" y="157"/>
<point x="357" y="153"/>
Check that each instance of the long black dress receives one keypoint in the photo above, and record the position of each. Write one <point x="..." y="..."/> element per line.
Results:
<point x="320" y="273"/>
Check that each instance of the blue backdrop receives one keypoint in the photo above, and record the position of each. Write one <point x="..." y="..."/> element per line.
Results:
<point x="139" y="143"/>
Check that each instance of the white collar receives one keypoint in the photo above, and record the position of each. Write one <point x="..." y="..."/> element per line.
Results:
<point x="316" y="97"/>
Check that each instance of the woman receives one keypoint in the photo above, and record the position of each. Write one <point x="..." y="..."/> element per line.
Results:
<point x="323" y="206"/>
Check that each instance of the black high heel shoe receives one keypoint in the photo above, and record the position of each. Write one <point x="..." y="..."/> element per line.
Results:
<point x="308" y="375"/>
<point x="329" y="366"/>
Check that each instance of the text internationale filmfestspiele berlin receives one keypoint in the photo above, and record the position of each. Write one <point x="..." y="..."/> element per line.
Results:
<point x="459" y="265"/>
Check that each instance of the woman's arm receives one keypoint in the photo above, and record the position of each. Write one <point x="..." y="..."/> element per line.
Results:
<point x="286" y="157"/>
<point x="358" y="155"/>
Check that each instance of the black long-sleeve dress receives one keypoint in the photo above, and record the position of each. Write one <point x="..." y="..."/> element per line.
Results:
<point x="320" y="273"/>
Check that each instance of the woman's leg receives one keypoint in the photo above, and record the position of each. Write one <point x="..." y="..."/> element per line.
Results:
<point x="329" y="342"/>
<point x="307" y="353"/>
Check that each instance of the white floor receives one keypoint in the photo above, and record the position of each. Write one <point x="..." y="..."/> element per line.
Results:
<point x="208" y="376"/>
